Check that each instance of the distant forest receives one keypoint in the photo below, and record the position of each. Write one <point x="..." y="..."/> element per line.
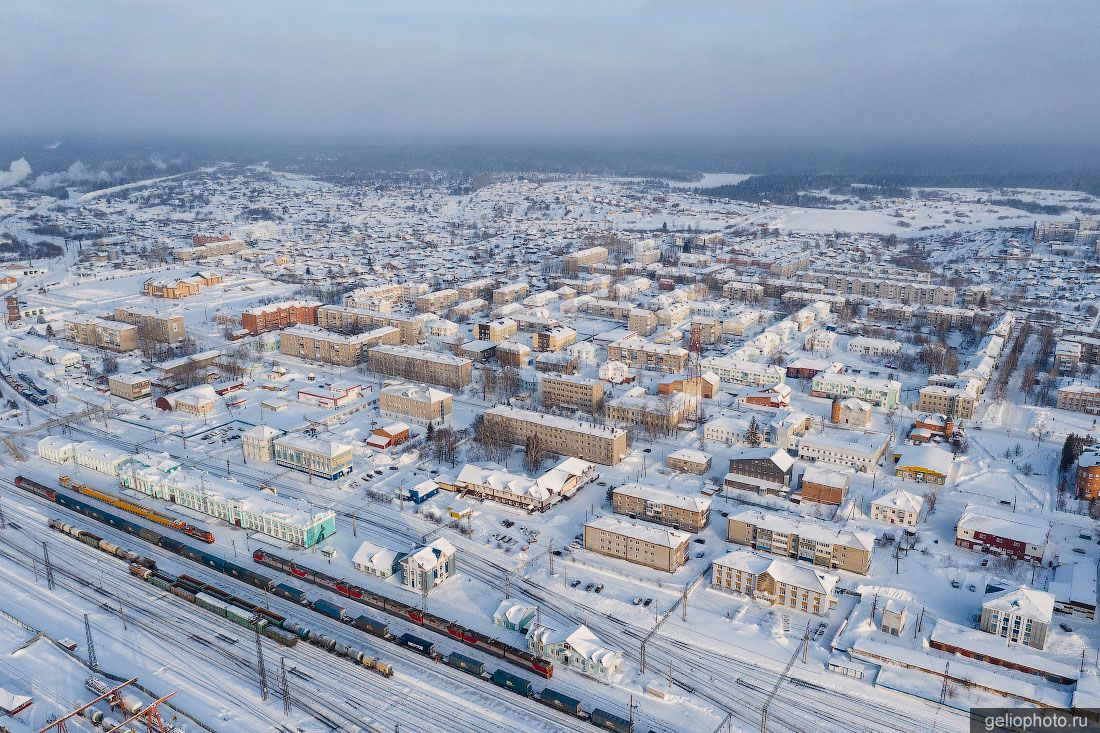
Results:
<point x="780" y="173"/>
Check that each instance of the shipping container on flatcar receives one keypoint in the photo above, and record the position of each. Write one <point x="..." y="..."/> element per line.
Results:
<point x="512" y="682"/>
<point x="466" y="664"/>
<point x="562" y="702"/>
<point x="417" y="644"/>
<point x="330" y="609"/>
<point x="606" y="720"/>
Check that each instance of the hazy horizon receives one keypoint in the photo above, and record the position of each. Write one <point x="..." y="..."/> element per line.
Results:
<point x="846" y="76"/>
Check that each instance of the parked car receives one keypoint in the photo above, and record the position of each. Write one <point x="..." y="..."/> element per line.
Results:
<point x="638" y="601"/>
<point x="599" y="587"/>
<point x="589" y="587"/>
<point x="647" y="602"/>
<point x="574" y="584"/>
<point x="1065" y="628"/>
<point x="956" y="584"/>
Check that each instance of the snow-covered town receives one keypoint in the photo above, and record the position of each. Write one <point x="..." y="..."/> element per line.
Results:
<point x="544" y="367"/>
<point x="663" y="448"/>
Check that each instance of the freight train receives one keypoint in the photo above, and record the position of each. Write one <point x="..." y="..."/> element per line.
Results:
<point x="251" y="616"/>
<point x="216" y="599"/>
<point x="168" y="543"/>
<point x="133" y="507"/>
<point x="520" y="657"/>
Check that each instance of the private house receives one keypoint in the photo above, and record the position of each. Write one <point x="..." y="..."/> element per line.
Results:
<point x="515" y="615"/>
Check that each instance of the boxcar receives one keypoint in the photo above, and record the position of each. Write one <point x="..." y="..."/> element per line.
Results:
<point x="371" y="626"/>
<point x="604" y="719"/>
<point x="511" y="682"/>
<point x="290" y="593"/>
<point x="466" y="664"/>
<point x="562" y="702"/>
<point x="330" y="609"/>
<point x="417" y="644"/>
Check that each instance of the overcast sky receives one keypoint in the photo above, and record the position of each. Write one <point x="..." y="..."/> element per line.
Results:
<point x="768" y="71"/>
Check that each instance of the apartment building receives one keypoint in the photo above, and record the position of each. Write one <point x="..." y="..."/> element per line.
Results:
<point x="554" y="339"/>
<point x="322" y="458"/>
<point x="467" y="308"/>
<point x="823" y="485"/>
<point x="638" y="353"/>
<point x="642" y="322"/>
<point x="1079" y="398"/>
<point x="899" y="507"/>
<point x="160" y="327"/>
<point x="510" y="293"/>
<point x="815" y="542"/>
<point x="864" y="346"/>
<point x="775" y="581"/>
<point x="498" y="329"/>
<point x="416" y="403"/>
<point x="742" y="371"/>
<point x="686" y="460"/>
<point x="1087" y="474"/>
<point x="957" y="403"/>
<point x="637" y="501"/>
<point x="130" y="386"/>
<point x="208" y="246"/>
<point x="743" y="292"/>
<point x="902" y="291"/>
<point x="861" y="451"/>
<point x="171" y="289"/>
<point x="437" y="300"/>
<point x="101" y="333"/>
<point x="658" y="414"/>
<point x="879" y="392"/>
<point x="1021" y="615"/>
<point x="316" y="344"/>
<point x="564" y="436"/>
<point x="342" y="319"/>
<point x="760" y="470"/>
<point x="421" y="365"/>
<point x="386" y="292"/>
<point x="645" y="544"/>
<point x="480" y="288"/>
<point x="571" y="391"/>
<point x="948" y="317"/>
<point x="574" y="262"/>
<point x="426" y="568"/>
<point x="890" y="312"/>
<point x="277" y="316"/>
<point x="613" y="309"/>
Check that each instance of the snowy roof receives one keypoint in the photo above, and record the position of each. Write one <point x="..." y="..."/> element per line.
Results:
<point x="1027" y="602"/>
<point x="1019" y="527"/>
<point x="516" y="612"/>
<point x="427" y="557"/>
<point x="582" y="641"/>
<point x="667" y="498"/>
<point x="689" y="455"/>
<point x="9" y="701"/>
<point x="1075" y="583"/>
<point x="375" y="556"/>
<point x="821" y="474"/>
<point x="805" y="528"/>
<point x="901" y="500"/>
<point x="994" y="647"/>
<point x="784" y="571"/>
<point x="416" y="392"/>
<point x="866" y="443"/>
<point x="98" y="451"/>
<point x="926" y="456"/>
<point x="262" y="433"/>
<point x="313" y="445"/>
<point x="781" y="458"/>
<point x="563" y="423"/>
<point x="649" y="533"/>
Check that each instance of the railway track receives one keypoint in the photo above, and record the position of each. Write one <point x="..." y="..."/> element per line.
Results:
<point x="461" y="687"/>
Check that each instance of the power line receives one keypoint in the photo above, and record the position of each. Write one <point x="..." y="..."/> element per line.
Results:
<point x="92" y="661"/>
<point x="260" y="667"/>
<point x="49" y="567"/>
<point x="284" y="685"/>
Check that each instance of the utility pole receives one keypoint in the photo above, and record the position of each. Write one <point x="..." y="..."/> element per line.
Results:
<point x="260" y="667"/>
<point x="92" y="661"/>
<point x="284" y="684"/>
<point x="507" y="585"/>
<point x="778" y="682"/>
<point x="551" y="556"/>
<point x="122" y="615"/>
<point x="943" y="690"/>
<point x="49" y="567"/>
<point x="684" y="605"/>
<point x="3" y="523"/>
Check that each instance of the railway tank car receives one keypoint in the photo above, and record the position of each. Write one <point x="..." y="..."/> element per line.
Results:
<point x="495" y="647"/>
